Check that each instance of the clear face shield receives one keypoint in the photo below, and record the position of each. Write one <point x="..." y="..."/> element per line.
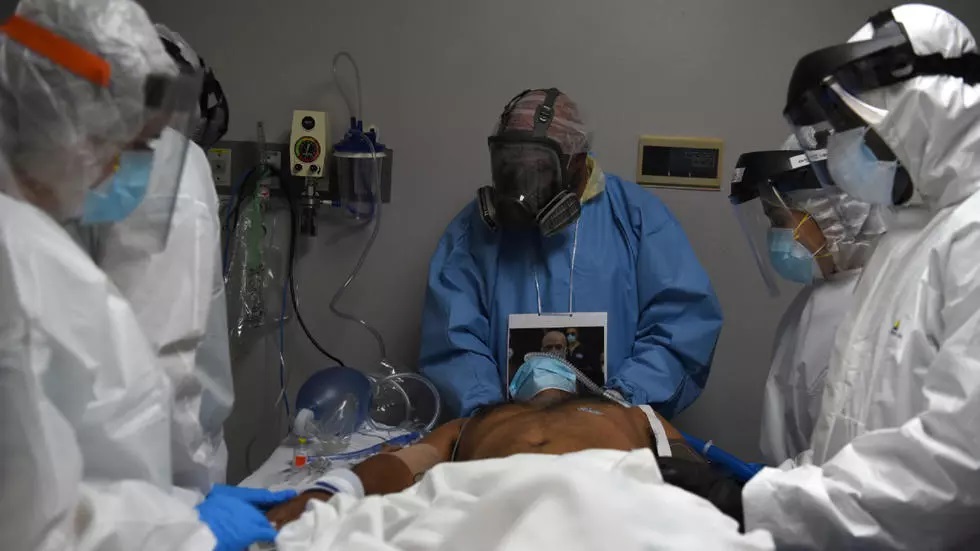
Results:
<point x="759" y="205"/>
<point x="144" y="179"/>
<point x="836" y="128"/>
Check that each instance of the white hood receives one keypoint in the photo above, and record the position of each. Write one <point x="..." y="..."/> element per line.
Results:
<point x="932" y="122"/>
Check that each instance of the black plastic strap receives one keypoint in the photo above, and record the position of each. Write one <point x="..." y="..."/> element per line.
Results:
<point x="486" y="197"/>
<point x="966" y="66"/>
<point x="882" y="18"/>
<point x="545" y="113"/>
<point x="174" y="52"/>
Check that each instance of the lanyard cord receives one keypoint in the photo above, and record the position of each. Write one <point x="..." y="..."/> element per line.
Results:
<point x="571" y="276"/>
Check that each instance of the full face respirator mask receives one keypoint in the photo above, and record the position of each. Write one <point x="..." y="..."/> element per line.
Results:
<point x="533" y="185"/>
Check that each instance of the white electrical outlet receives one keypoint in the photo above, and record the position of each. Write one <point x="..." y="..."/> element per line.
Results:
<point x="273" y="159"/>
<point x="220" y="161"/>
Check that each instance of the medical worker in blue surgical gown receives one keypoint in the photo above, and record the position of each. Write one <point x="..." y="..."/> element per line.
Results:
<point x="555" y="234"/>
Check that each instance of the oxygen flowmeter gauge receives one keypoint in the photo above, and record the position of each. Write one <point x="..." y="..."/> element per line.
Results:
<point x="306" y="152"/>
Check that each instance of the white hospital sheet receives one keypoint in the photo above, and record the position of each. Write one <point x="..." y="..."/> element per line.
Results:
<point x="596" y="499"/>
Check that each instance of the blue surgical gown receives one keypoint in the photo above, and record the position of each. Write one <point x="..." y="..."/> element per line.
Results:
<point x="633" y="261"/>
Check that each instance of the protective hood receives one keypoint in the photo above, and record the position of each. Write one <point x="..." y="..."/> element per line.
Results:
<point x="931" y="122"/>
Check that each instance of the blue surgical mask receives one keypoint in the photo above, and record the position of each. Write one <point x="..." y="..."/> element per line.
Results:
<point x="856" y="169"/>
<point x="541" y="373"/>
<point x="571" y="338"/>
<point x="117" y="197"/>
<point x="789" y="258"/>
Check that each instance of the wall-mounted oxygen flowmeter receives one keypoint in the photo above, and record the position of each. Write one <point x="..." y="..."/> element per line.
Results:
<point x="308" y="144"/>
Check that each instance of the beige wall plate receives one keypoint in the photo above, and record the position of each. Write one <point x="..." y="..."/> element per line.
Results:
<point x="679" y="162"/>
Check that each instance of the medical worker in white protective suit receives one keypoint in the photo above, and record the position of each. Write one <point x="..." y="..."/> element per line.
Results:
<point x="812" y="235"/>
<point x="178" y="294"/>
<point x="896" y="451"/>
<point x="87" y="98"/>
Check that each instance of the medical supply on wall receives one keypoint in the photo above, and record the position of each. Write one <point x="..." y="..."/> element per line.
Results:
<point x="357" y="160"/>
<point x="253" y="255"/>
<point x="307" y="159"/>
<point x="308" y="140"/>
<point x="739" y="469"/>
<point x="375" y="193"/>
<point x="360" y="167"/>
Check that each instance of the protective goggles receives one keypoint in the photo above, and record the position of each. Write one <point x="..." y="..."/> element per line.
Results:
<point x="823" y="96"/>
<point x="760" y="183"/>
<point x="532" y="184"/>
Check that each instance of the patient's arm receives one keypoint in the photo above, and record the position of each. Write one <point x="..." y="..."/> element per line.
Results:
<point x="384" y="473"/>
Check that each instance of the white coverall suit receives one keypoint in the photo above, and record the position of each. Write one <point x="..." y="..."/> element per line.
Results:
<point x="897" y="448"/>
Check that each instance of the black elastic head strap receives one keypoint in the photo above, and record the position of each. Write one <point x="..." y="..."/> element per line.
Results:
<point x="545" y="113"/>
<point x="543" y="116"/>
<point x="175" y="54"/>
<point x="887" y="58"/>
<point x="216" y="116"/>
<point x="966" y="66"/>
<point x="884" y="22"/>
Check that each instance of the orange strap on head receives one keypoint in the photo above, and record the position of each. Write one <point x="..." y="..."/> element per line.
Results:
<point x="58" y="50"/>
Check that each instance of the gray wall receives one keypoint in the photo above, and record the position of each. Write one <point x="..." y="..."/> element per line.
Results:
<point x="435" y="75"/>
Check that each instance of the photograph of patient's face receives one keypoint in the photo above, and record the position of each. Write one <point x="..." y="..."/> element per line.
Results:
<point x="583" y="347"/>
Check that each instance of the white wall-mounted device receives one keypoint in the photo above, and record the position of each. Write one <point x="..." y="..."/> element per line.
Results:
<point x="680" y="162"/>
<point x="308" y="146"/>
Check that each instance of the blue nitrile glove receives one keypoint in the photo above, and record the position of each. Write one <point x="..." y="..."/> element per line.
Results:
<point x="234" y="523"/>
<point x="258" y="497"/>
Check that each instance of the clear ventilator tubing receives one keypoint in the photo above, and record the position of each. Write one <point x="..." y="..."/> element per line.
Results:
<point x="360" y="263"/>
<point x="428" y="384"/>
<point x="357" y="82"/>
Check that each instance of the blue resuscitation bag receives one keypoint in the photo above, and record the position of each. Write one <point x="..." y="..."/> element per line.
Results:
<point x="339" y="399"/>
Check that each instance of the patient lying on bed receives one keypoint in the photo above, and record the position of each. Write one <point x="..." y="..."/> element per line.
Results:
<point x="554" y="423"/>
